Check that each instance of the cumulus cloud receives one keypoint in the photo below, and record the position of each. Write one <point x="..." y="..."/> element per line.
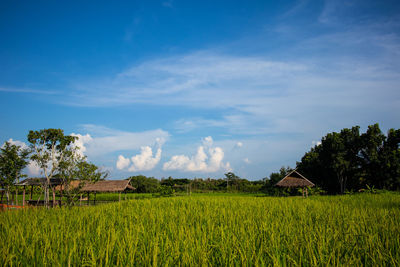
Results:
<point x="32" y="167"/>
<point x="122" y="162"/>
<point x="80" y="143"/>
<point x="246" y="160"/>
<point x="145" y="160"/>
<point x="105" y="140"/>
<point x="208" y="141"/>
<point x="205" y="160"/>
<point x="17" y="143"/>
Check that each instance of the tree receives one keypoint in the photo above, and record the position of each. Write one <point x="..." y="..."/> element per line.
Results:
<point x="13" y="159"/>
<point x="335" y="162"/>
<point x="145" y="184"/>
<point x="74" y="167"/>
<point x="49" y="147"/>
<point x="231" y="179"/>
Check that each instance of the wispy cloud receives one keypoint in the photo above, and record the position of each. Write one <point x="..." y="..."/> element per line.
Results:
<point x="27" y="91"/>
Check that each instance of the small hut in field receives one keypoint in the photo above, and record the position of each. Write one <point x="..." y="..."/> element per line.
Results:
<point x="295" y="180"/>
<point x="54" y="182"/>
<point x="108" y="186"/>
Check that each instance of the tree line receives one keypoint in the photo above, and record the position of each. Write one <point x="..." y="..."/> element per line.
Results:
<point x="344" y="161"/>
<point x="350" y="161"/>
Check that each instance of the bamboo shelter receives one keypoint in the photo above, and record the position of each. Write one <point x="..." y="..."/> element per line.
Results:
<point x="295" y="180"/>
<point x="108" y="186"/>
<point x="39" y="182"/>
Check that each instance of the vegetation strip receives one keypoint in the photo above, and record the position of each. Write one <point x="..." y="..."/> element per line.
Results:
<point x="210" y="229"/>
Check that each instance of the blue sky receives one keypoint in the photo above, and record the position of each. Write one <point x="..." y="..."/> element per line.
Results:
<point x="190" y="89"/>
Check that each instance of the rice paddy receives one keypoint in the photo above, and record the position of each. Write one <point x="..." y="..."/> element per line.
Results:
<point x="201" y="230"/>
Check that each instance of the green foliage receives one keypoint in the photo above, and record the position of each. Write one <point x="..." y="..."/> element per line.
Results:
<point x="346" y="161"/>
<point x="13" y="159"/>
<point x="145" y="184"/>
<point x="207" y="230"/>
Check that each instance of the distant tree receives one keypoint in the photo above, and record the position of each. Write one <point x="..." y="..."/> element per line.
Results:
<point x="13" y="159"/>
<point x="49" y="147"/>
<point x="231" y="179"/>
<point x="145" y="184"/>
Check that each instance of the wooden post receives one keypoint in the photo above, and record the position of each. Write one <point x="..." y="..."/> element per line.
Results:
<point x="306" y="192"/>
<point x="23" y="197"/>
<point x="61" y="194"/>
<point x="80" y="201"/>
<point x="88" y="199"/>
<point x="119" y="196"/>
<point x="302" y="190"/>
<point x="54" y="196"/>
<point x="16" y="195"/>
<point x="31" y="192"/>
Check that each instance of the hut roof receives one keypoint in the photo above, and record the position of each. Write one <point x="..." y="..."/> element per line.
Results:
<point x="108" y="186"/>
<point x="72" y="185"/>
<point x="295" y="179"/>
<point x="40" y="181"/>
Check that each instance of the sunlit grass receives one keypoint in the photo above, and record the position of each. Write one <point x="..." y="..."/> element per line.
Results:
<point x="208" y="229"/>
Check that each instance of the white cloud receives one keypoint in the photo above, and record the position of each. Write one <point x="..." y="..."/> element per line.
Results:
<point x="34" y="169"/>
<point x="17" y="143"/>
<point x="212" y="161"/>
<point x="122" y="162"/>
<point x="239" y="144"/>
<point x="105" y="140"/>
<point x="80" y="143"/>
<point x="246" y="160"/>
<point x="145" y="160"/>
<point x="208" y="141"/>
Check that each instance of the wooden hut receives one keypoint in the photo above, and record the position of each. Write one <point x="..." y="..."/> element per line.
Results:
<point x="296" y="180"/>
<point x="108" y="186"/>
<point x="39" y="182"/>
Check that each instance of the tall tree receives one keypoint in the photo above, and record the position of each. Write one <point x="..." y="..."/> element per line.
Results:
<point x="13" y="159"/>
<point x="49" y="146"/>
<point x="74" y="167"/>
<point x="371" y="154"/>
<point x="390" y="160"/>
<point x="336" y="158"/>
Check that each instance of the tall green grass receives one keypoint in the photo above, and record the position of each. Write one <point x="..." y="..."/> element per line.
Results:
<point x="208" y="230"/>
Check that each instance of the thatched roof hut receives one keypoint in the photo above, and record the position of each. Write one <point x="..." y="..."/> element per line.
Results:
<point x="108" y="186"/>
<point x="40" y="181"/>
<point x="295" y="179"/>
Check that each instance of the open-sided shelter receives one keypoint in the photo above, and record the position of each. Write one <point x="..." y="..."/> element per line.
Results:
<point x="296" y="180"/>
<point x="108" y="186"/>
<point x="39" y="182"/>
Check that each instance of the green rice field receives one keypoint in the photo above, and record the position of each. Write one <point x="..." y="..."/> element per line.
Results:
<point x="201" y="230"/>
